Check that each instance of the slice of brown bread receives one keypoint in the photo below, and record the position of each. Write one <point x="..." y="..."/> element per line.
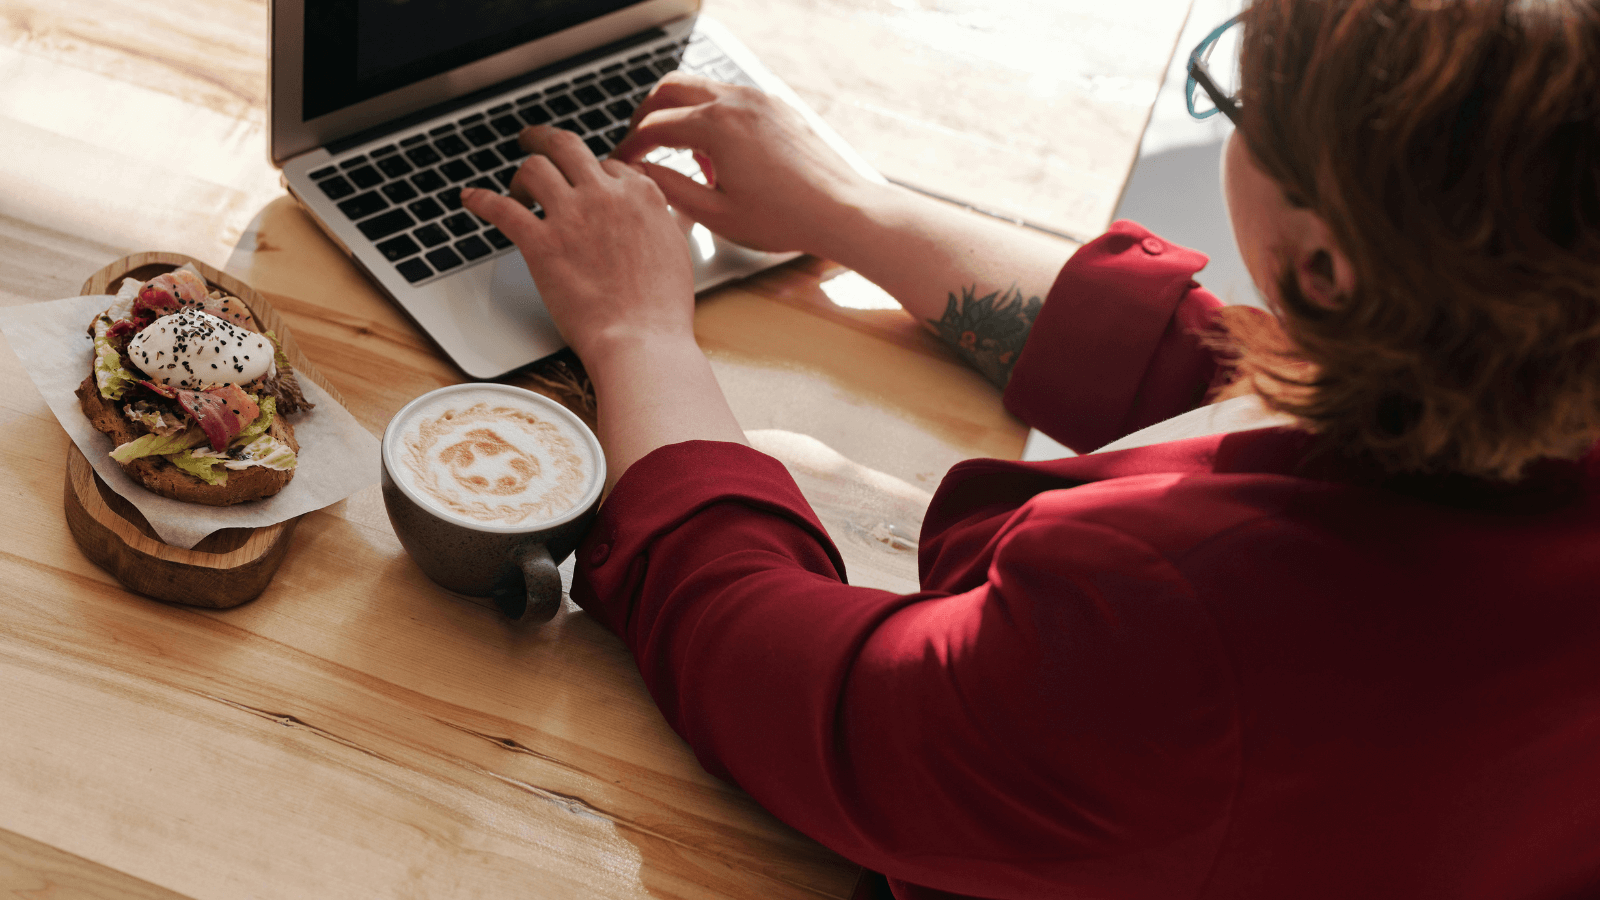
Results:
<point x="166" y="479"/>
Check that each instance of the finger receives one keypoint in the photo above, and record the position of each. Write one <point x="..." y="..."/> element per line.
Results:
<point x="512" y="218"/>
<point x="539" y="181"/>
<point x="684" y="193"/>
<point x="676" y="89"/>
<point x="616" y="168"/>
<point x="568" y="151"/>
<point x="682" y="126"/>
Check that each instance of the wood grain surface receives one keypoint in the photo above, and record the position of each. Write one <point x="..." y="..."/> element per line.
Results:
<point x="355" y="731"/>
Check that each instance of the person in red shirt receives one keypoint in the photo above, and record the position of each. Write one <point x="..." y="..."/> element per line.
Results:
<point x="1320" y="617"/>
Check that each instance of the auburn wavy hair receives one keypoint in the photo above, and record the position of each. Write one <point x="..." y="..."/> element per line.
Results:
<point x="1453" y="149"/>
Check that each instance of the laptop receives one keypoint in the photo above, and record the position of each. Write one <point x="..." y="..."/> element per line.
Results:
<point x="380" y="111"/>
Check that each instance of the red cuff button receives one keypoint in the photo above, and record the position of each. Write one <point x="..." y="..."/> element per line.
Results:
<point x="1152" y="246"/>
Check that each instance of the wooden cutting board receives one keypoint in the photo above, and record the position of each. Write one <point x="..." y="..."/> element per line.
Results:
<point x="228" y="567"/>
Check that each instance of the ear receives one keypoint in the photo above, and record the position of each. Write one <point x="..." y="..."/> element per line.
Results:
<point x="1322" y="269"/>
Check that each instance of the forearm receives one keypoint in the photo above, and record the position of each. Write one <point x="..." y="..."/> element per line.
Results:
<point x="976" y="282"/>
<point x="652" y="391"/>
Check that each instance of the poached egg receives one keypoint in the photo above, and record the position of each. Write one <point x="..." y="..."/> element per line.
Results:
<point x="195" y="350"/>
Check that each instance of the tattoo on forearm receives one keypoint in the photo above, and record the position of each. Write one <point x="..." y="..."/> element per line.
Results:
<point x="988" y="331"/>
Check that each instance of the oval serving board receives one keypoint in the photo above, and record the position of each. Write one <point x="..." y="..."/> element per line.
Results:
<point x="228" y="567"/>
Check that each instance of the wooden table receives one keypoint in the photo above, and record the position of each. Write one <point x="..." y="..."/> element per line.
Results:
<point x="356" y="732"/>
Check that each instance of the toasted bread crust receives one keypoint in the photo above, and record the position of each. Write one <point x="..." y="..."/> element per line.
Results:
<point x="162" y="477"/>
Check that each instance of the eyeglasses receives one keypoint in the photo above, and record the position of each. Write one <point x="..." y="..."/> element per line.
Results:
<point x="1224" y="101"/>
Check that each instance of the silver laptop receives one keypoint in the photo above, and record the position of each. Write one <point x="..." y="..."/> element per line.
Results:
<point x="382" y="110"/>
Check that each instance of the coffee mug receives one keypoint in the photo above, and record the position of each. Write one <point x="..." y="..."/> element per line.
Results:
<point x="489" y="487"/>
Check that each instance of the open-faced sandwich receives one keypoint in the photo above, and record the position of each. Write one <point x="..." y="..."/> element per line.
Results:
<point x="193" y="395"/>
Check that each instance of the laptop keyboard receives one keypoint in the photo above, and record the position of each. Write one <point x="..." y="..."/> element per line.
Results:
<point x="405" y="196"/>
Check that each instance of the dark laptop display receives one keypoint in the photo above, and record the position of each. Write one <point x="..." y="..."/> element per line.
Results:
<point x="358" y="49"/>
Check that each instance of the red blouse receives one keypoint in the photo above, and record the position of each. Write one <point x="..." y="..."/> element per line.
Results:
<point x="1222" y="667"/>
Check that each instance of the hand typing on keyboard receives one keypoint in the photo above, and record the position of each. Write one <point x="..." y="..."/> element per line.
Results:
<point x="607" y="255"/>
<point x="772" y="184"/>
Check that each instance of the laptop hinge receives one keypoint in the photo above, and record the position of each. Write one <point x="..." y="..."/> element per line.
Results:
<point x="510" y="84"/>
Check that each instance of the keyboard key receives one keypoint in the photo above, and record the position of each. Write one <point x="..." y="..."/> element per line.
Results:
<point x="511" y="150"/>
<point x="442" y="129"/>
<point x="423" y="156"/>
<point x="663" y="66"/>
<point x="525" y="99"/>
<point x="620" y="109"/>
<point x="479" y="135"/>
<point x="614" y="67"/>
<point x="556" y="88"/>
<point x="507" y="125"/>
<point x="473" y="248"/>
<point x="336" y="187"/>
<point x="597" y="145"/>
<point x="428" y="181"/>
<point x="497" y="110"/>
<point x="449" y="197"/>
<point x="430" y="235"/>
<point x="589" y="95"/>
<point x="414" y="140"/>
<point x="615" y="86"/>
<point x="635" y="60"/>
<point x="642" y="77"/>
<point x="394" y="166"/>
<point x="456" y="170"/>
<point x="444" y="258"/>
<point x="385" y="150"/>
<point x="486" y="183"/>
<point x="399" y="191"/>
<point x="561" y="105"/>
<point x="485" y="160"/>
<point x="584" y="78"/>
<point x="399" y="248"/>
<point x="352" y="162"/>
<point x="425" y="209"/>
<point x="468" y="120"/>
<point x="381" y="226"/>
<point x="616" y="135"/>
<point x="451" y="145"/>
<point x="504" y="176"/>
<point x="570" y="125"/>
<point x="536" y="114"/>
<point x="322" y="173"/>
<point x="594" y="119"/>
<point x="365" y="177"/>
<point x="497" y="238"/>
<point x="363" y="205"/>
<point x="414" y="270"/>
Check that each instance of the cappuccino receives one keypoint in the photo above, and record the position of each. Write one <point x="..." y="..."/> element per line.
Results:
<point x="493" y="457"/>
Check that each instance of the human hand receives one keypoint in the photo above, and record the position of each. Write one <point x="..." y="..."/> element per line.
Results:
<point x="608" y="257"/>
<point x="772" y="183"/>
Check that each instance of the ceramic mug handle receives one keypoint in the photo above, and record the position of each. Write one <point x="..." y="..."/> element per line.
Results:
<point x="537" y="598"/>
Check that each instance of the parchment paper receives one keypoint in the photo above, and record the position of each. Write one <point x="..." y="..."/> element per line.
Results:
<point x="337" y="455"/>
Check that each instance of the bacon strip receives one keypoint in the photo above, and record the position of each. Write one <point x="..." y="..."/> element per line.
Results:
<point x="221" y="412"/>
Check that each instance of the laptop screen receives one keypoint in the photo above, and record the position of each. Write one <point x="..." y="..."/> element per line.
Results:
<point x="358" y="49"/>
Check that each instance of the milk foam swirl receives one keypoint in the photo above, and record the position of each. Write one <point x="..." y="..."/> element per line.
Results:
<point x="493" y="461"/>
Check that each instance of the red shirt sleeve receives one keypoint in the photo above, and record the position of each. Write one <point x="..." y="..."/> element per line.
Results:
<point x="1065" y="720"/>
<point x="1115" y="348"/>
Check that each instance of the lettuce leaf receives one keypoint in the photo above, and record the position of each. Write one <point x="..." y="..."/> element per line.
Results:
<point x="203" y="467"/>
<point x="158" y="445"/>
<point x="269" y="410"/>
<point x="266" y="451"/>
<point x="279" y="358"/>
<point x="110" y="375"/>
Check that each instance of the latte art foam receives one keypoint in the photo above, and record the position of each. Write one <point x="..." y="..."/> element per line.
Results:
<point x="493" y="459"/>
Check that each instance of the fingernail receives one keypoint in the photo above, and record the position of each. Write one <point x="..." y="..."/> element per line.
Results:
<point x="469" y="193"/>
